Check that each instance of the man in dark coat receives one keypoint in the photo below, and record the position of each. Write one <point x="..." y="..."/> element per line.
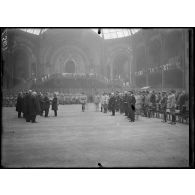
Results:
<point x="34" y="107"/>
<point x="19" y="104"/>
<point x="55" y="104"/>
<point x="131" y="106"/>
<point x="112" y="104"/>
<point x="163" y="105"/>
<point x="46" y="105"/>
<point x="121" y="99"/>
<point x="41" y="102"/>
<point x="117" y="99"/>
<point x="125" y="103"/>
<point x="27" y="105"/>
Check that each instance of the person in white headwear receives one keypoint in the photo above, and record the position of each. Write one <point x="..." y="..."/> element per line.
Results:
<point x="97" y="101"/>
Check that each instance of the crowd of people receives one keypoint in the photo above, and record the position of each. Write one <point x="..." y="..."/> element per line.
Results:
<point x="31" y="104"/>
<point x="167" y="105"/>
<point x="64" y="97"/>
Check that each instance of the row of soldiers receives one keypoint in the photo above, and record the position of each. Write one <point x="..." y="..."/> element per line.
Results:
<point x="32" y="104"/>
<point x="117" y="102"/>
<point x="146" y="103"/>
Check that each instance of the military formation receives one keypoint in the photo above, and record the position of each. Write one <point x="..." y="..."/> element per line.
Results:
<point x="167" y="105"/>
<point x="30" y="104"/>
<point x="117" y="102"/>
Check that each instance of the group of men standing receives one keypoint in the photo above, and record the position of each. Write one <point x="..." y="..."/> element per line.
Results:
<point x="117" y="102"/>
<point x="32" y="104"/>
<point x="123" y="104"/>
<point x="146" y="103"/>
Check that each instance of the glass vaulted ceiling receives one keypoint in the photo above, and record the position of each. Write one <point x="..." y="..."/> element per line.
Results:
<point x="116" y="33"/>
<point x="105" y="33"/>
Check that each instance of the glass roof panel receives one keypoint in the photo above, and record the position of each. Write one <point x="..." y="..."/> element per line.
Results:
<point x="105" y="33"/>
<point x="116" y="33"/>
<point x="35" y="31"/>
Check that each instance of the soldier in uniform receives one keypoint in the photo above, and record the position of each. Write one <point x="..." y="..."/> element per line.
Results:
<point x="138" y="104"/>
<point x="83" y="101"/>
<point x="112" y="104"/>
<point x="158" y="99"/>
<point x="106" y="100"/>
<point x="97" y="101"/>
<point x="163" y="106"/>
<point x="55" y="104"/>
<point x="172" y="106"/>
<point x="152" y="103"/>
<point x="46" y="104"/>
<point x="102" y="101"/>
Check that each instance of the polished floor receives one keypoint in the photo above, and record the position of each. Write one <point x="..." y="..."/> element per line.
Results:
<point x="84" y="139"/>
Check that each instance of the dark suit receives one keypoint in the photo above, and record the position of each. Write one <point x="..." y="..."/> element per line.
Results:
<point x="112" y="104"/>
<point x="46" y="105"/>
<point x="34" y="107"/>
<point x="131" y="107"/>
<point x="27" y="107"/>
<point x="19" y="105"/>
<point x="55" y="105"/>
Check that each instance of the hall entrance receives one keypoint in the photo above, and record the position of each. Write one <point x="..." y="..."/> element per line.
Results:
<point x="70" y="67"/>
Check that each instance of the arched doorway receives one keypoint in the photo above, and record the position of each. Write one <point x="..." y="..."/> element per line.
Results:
<point x="121" y="67"/>
<point x="70" y="67"/>
<point x="21" y="60"/>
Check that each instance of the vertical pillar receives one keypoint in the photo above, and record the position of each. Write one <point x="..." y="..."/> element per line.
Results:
<point x="111" y="67"/>
<point x="186" y="60"/>
<point x="162" y="60"/>
<point x="146" y="65"/>
<point x="134" y="64"/>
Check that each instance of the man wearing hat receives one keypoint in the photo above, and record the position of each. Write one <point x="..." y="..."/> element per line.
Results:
<point x="117" y="98"/>
<point x="172" y="105"/>
<point x="55" y="104"/>
<point x="34" y="107"/>
<point x="27" y="110"/>
<point x="46" y="104"/>
<point x="131" y="106"/>
<point x="125" y="103"/>
<point x="112" y="104"/>
<point x="19" y="104"/>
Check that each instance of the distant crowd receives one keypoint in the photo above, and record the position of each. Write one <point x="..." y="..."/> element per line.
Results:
<point x="168" y="105"/>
